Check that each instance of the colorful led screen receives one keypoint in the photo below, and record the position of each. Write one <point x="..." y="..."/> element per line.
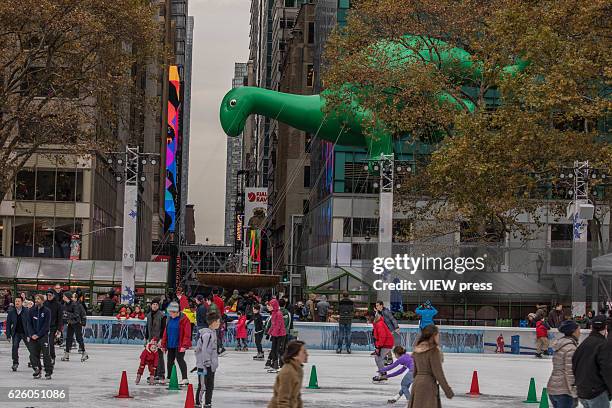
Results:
<point x="172" y="140"/>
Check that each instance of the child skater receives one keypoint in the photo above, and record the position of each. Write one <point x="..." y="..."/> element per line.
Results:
<point x="404" y="360"/>
<point x="258" y="332"/>
<point x="241" y="333"/>
<point x="207" y="359"/>
<point x="148" y="358"/>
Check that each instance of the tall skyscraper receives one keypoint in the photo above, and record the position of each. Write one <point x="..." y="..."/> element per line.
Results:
<point x="234" y="164"/>
<point x="290" y="175"/>
<point x="186" y="125"/>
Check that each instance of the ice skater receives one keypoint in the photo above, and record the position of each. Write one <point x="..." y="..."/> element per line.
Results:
<point x="278" y="334"/>
<point x="148" y="358"/>
<point x="384" y="343"/>
<point x="207" y="359"/>
<point x="500" y="344"/>
<point x="258" y="332"/>
<point x="404" y="360"/>
<point x="241" y="333"/>
<point x="426" y="312"/>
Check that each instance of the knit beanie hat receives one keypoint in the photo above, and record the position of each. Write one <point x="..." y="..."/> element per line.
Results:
<point x="568" y="327"/>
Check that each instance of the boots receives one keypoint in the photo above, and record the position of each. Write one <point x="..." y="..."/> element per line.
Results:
<point x="138" y="376"/>
<point x="66" y="356"/>
<point x="84" y="357"/>
<point x="394" y="399"/>
<point x="14" y="367"/>
<point x="37" y="373"/>
<point x="259" y="357"/>
<point x="379" y="378"/>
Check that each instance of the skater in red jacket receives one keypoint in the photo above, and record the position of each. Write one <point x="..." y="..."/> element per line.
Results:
<point x="500" y="344"/>
<point x="148" y="358"/>
<point x="241" y="333"/>
<point x="542" y="328"/>
<point x="176" y="340"/>
<point x="384" y="343"/>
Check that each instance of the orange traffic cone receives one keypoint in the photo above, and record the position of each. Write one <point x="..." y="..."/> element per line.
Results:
<point x="474" y="389"/>
<point x="189" y="402"/>
<point x="124" y="392"/>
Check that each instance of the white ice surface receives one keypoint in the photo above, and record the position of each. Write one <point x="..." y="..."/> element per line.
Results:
<point x="345" y="380"/>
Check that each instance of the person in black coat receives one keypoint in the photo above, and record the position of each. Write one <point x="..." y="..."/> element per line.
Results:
<point x="592" y="366"/>
<point x="17" y="329"/>
<point x="346" y="311"/>
<point x="39" y="323"/>
<point x="55" y="326"/>
<point x="108" y="305"/>
<point x="259" y="330"/>
<point x="201" y="312"/>
<point x="75" y="317"/>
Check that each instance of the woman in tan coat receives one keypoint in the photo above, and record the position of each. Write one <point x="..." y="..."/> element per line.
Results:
<point x="428" y="372"/>
<point x="561" y="385"/>
<point x="288" y="385"/>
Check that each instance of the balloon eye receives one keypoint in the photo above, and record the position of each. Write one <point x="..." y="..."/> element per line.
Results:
<point x="233" y="103"/>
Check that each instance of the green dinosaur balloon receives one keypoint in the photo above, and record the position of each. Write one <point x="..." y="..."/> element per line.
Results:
<point x="352" y="125"/>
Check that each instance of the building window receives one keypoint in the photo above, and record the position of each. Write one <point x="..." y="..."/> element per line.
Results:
<point x="561" y="236"/>
<point x="311" y="33"/>
<point x="310" y="75"/>
<point x="307" y="141"/>
<point x="43" y="237"/>
<point x="305" y="206"/>
<point x="363" y="227"/>
<point x="25" y="185"/>
<point x="289" y="3"/>
<point x="45" y="185"/>
<point x="64" y="229"/>
<point x="23" y="237"/>
<point x="307" y="176"/>
<point x="49" y="185"/>
<point x="69" y="186"/>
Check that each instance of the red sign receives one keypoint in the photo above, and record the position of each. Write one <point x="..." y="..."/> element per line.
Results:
<point x="139" y="291"/>
<point x="257" y="196"/>
<point x="161" y="258"/>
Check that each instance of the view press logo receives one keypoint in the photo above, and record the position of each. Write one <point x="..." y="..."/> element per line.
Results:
<point x="412" y="264"/>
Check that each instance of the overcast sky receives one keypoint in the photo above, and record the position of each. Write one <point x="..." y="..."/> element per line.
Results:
<point x="221" y="37"/>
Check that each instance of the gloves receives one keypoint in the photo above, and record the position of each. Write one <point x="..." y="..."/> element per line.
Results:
<point x="450" y="394"/>
<point x="377" y="352"/>
<point x="182" y="349"/>
<point x="267" y="337"/>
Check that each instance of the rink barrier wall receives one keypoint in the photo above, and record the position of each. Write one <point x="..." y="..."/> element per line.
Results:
<point x="324" y="336"/>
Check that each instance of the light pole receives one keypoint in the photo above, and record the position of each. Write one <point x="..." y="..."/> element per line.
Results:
<point x="128" y="168"/>
<point x="579" y="211"/>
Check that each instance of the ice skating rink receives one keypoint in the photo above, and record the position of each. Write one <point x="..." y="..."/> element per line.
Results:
<point x="345" y="380"/>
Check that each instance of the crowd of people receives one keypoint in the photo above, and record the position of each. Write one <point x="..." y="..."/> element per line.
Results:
<point x="40" y="324"/>
<point x="177" y="323"/>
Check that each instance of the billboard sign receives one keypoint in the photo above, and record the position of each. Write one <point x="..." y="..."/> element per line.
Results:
<point x="255" y="209"/>
<point x="172" y="142"/>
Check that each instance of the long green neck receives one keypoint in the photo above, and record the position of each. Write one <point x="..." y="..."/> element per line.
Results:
<point x="302" y="112"/>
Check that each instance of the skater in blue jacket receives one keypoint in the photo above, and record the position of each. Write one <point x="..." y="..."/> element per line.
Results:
<point x="426" y="312"/>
